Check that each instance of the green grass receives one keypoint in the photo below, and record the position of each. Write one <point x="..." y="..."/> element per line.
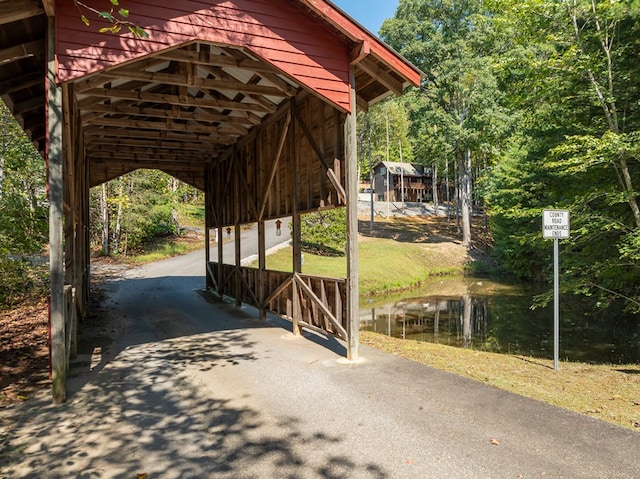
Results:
<point x="165" y="249"/>
<point x="191" y="216"/>
<point x="384" y="265"/>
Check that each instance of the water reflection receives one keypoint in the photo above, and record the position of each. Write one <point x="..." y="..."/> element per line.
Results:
<point x="497" y="317"/>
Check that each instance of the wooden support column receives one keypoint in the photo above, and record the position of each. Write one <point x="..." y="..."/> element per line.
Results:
<point x="207" y="233"/>
<point x="56" y="242"/>
<point x="238" y="282"/>
<point x="220" y="279"/>
<point x="262" y="266"/>
<point x="295" y="219"/>
<point x="207" y="255"/>
<point x="235" y="162"/>
<point x="353" y="314"/>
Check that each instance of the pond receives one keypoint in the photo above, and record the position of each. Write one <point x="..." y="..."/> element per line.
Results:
<point x="488" y="315"/>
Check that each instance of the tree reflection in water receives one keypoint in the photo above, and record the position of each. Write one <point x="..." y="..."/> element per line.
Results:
<point x="498" y="318"/>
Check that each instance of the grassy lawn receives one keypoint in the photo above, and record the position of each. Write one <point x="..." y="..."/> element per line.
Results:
<point x="384" y="265"/>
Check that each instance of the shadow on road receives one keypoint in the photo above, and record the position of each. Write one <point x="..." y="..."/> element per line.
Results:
<point x="134" y="406"/>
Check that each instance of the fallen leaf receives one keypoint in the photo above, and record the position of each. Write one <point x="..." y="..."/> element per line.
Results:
<point x="142" y="475"/>
<point x="495" y="442"/>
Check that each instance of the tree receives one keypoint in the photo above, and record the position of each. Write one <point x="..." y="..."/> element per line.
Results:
<point x="571" y="69"/>
<point x="383" y="132"/>
<point x="459" y="99"/>
<point x="23" y="213"/>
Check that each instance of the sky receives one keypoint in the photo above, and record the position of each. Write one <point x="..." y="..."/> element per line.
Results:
<point x="369" y="13"/>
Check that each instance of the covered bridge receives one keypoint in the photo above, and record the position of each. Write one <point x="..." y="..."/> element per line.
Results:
<point x="253" y="102"/>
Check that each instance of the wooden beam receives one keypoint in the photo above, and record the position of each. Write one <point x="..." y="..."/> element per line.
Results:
<point x="170" y="99"/>
<point x="381" y="75"/>
<point x="162" y="125"/>
<point x="151" y="162"/>
<point x="211" y="115"/>
<point x="56" y="218"/>
<point x="351" y="160"/>
<point x="202" y="83"/>
<point x="359" y="51"/>
<point x="189" y="56"/>
<point x="24" y="50"/>
<point x="49" y="7"/>
<point x="99" y="142"/>
<point x="15" y="10"/>
<point x="160" y="135"/>
<point x="21" y="82"/>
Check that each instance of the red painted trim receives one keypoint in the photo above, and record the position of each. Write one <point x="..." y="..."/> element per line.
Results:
<point x="356" y="33"/>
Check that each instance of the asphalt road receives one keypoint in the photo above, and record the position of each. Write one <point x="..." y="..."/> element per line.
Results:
<point x="174" y="384"/>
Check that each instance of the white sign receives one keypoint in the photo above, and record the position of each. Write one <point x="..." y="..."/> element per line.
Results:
<point x="555" y="224"/>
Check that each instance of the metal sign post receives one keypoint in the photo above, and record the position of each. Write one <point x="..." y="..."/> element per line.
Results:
<point x="555" y="225"/>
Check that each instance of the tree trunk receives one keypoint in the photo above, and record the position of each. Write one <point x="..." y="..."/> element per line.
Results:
<point x="104" y="207"/>
<point x="3" y="154"/>
<point x="434" y="188"/>
<point x="464" y="172"/>
<point x="116" y="236"/>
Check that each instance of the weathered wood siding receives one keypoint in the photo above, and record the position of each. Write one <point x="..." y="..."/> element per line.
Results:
<point x="286" y="164"/>
<point x="277" y="31"/>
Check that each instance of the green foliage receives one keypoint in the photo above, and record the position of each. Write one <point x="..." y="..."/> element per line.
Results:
<point x="21" y="279"/>
<point x="145" y="205"/>
<point x="117" y="17"/>
<point x="324" y="232"/>
<point x="571" y="71"/>
<point x="384" y="135"/>
<point x="23" y="213"/>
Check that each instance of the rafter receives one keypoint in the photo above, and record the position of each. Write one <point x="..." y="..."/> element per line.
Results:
<point x="169" y="99"/>
<point x="191" y="81"/>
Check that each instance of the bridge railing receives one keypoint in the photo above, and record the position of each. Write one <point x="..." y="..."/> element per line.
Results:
<point x="314" y="302"/>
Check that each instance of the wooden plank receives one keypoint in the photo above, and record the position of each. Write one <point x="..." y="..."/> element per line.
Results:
<point x="299" y="281"/>
<point x="15" y="10"/>
<point x="18" y="52"/>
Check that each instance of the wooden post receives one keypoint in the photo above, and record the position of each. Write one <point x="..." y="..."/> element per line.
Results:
<point x="207" y="233"/>
<point x="295" y="220"/>
<point x="353" y="314"/>
<point x="220" y="260"/>
<point x="207" y="254"/>
<point x="56" y="242"/>
<point x="262" y="266"/>
<point x="238" y="282"/>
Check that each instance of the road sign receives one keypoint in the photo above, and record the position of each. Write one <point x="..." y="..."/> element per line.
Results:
<point x="555" y="224"/>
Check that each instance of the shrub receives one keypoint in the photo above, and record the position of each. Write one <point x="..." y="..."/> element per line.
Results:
<point x="324" y="232"/>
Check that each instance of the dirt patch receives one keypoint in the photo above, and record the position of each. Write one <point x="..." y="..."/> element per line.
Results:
<point x="425" y="229"/>
<point x="24" y="351"/>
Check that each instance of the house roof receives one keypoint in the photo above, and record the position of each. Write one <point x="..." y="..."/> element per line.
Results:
<point x="397" y="168"/>
<point x="212" y="90"/>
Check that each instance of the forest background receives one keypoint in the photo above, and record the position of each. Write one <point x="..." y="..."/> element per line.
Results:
<point x="525" y="105"/>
